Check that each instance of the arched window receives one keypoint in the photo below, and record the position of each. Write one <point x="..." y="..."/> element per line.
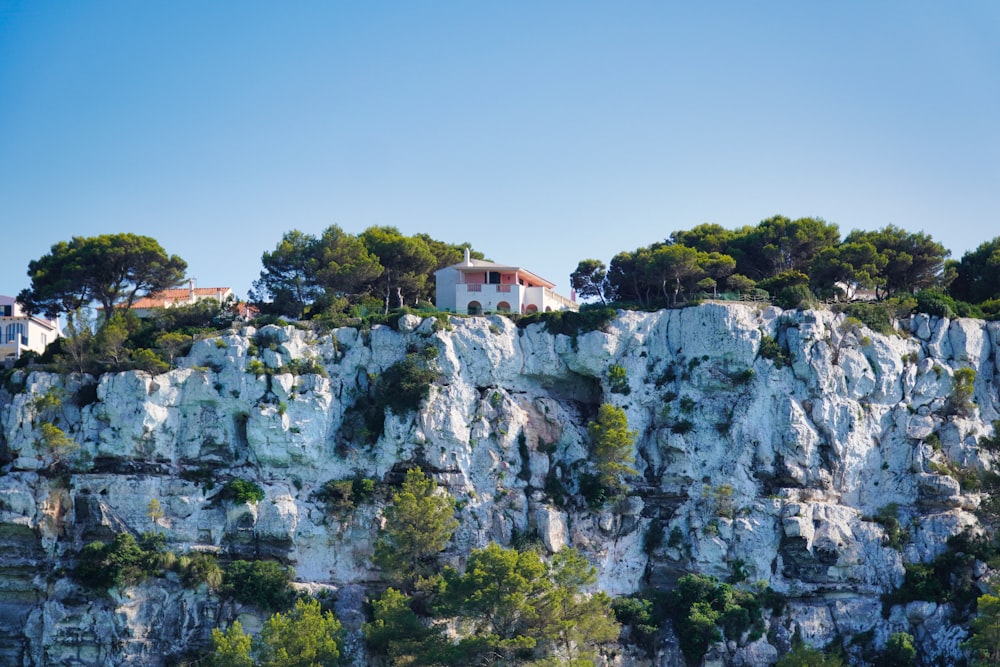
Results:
<point x="503" y="307"/>
<point x="532" y="308"/>
<point x="475" y="308"/>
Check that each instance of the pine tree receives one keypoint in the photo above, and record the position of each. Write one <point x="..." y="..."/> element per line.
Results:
<point x="418" y="526"/>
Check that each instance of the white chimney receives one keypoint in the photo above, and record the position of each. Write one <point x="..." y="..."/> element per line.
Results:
<point x="468" y="257"/>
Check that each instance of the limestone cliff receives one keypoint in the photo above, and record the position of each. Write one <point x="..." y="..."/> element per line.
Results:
<point x="768" y="461"/>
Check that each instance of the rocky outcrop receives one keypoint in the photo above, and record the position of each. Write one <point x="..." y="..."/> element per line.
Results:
<point x="769" y="464"/>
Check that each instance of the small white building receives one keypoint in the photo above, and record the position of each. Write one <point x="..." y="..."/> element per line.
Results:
<point x="20" y="332"/>
<point x="475" y="286"/>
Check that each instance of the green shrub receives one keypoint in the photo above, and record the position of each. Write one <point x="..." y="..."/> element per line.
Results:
<point x="123" y="562"/>
<point x="770" y="349"/>
<point x="618" y="380"/>
<point x="640" y="613"/>
<point x="200" y="568"/>
<point x="806" y="656"/>
<point x="991" y="443"/>
<point x="265" y="584"/>
<point x="303" y="367"/>
<point x="895" y="535"/>
<point x="256" y="367"/>
<point x="704" y="611"/>
<point x="935" y="303"/>
<point x="875" y="316"/>
<point x="570" y="323"/>
<point x="405" y="385"/>
<point x="343" y="495"/>
<point x="653" y="537"/>
<point x="962" y="389"/>
<point x="682" y="426"/>
<point x="899" y="651"/>
<point x="241" y="491"/>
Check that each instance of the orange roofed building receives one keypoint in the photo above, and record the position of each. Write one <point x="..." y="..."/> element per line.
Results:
<point x="181" y="296"/>
<point x="475" y="286"/>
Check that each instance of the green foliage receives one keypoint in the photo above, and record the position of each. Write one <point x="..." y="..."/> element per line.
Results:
<point x="704" y="611"/>
<point x="977" y="274"/>
<point x="875" y="316"/>
<point x="306" y="636"/>
<point x="113" y="269"/>
<point x="590" y="279"/>
<point x="231" y="648"/>
<point x="265" y="584"/>
<point x="959" y="401"/>
<point x="789" y="289"/>
<point x="405" y="385"/>
<point x="950" y="577"/>
<point x="418" y="525"/>
<point x="56" y="443"/>
<point x="343" y="495"/>
<point x="242" y="491"/>
<point x="199" y="568"/>
<point x="618" y="380"/>
<point x="640" y="613"/>
<point x="771" y="349"/>
<point x="334" y="276"/>
<point x="514" y="608"/>
<point x="912" y="260"/>
<point x="173" y="343"/>
<point x="570" y="323"/>
<point x="612" y="448"/>
<point x="123" y="562"/>
<point x="896" y="536"/>
<point x="802" y="655"/>
<point x="49" y="402"/>
<point x="899" y="651"/>
<point x="991" y="443"/>
<point x="398" y="634"/>
<point x="983" y="644"/>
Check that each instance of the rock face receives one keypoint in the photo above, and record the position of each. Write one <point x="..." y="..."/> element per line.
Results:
<point x="768" y="460"/>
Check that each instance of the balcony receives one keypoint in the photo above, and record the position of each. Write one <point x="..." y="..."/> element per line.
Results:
<point x="486" y="288"/>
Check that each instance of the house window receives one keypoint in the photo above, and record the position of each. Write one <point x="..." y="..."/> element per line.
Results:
<point x="475" y="308"/>
<point x="503" y="307"/>
<point x="6" y="311"/>
<point x="532" y="308"/>
<point x="494" y="278"/>
<point x="15" y="330"/>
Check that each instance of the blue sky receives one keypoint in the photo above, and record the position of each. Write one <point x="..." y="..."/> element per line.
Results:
<point x="541" y="132"/>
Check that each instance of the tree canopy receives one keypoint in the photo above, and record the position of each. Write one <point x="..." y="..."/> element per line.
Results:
<point x="418" y="525"/>
<point x="507" y="607"/>
<point x="112" y="269"/>
<point x="306" y="276"/>
<point x="612" y="443"/>
<point x="793" y="261"/>
<point x="306" y="636"/>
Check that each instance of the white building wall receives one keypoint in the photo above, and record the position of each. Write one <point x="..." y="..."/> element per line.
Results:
<point x="445" y="281"/>
<point x="488" y="296"/>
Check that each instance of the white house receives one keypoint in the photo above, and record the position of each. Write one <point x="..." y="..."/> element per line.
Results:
<point x="20" y="331"/>
<point x="475" y="286"/>
<point x="181" y="296"/>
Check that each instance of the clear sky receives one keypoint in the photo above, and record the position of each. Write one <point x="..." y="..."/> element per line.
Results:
<point x="541" y="132"/>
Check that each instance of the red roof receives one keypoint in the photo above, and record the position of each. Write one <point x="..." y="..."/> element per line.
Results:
<point x="179" y="295"/>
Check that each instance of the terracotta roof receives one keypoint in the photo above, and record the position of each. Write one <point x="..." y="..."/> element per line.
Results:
<point x="179" y="294"/>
